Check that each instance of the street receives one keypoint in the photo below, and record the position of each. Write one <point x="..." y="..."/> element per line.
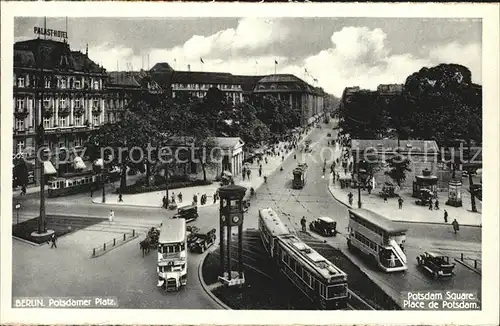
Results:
<point x="132" y="279"/>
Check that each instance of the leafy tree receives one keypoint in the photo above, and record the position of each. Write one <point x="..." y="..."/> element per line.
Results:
<point x="20" y="172"/>
<point x="246" y="125"/>
<point x="397" y="168"/>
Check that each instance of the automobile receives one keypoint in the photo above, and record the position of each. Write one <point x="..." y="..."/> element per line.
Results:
<point x="435" y="264"/>
<point x="324" y="226"/>
<point x="202" y="240"/>
<point x="329" y="135"/>
<point x="190" y="213"/>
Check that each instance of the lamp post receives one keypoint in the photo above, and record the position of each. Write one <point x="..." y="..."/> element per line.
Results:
<point x="18" y="207"/>
<point x="361" y="173"/>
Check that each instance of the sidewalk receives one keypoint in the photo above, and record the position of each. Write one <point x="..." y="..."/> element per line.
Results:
<point x="410" y="212"/>
<point x="154" y="199"/>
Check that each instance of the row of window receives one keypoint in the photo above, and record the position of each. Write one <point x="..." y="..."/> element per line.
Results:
<point x="368" y="225"/>
<point x="207" y="86"/>
<point x="169" y="249"/>
<point x="364" y="240"/>
<point x="62" y="83"/>
<point x="70" y="183"/>
<point x="22" y="103"/>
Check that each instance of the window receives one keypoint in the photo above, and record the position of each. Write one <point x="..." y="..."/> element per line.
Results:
<point x="96" y="84"/>
<point x="63" y="122"/>
<point x="336" y="291"/>
<point x="78" y="84"/>
<point x="20" y="103"/>
<point x="47" y="83"/>
<point x="46" y="102"/>
<point x="78" y="121"/>
<point x="46" y="123"/>
<point x="95" y="103"/>
<point x="63" y="83"/>
<point x="20" y="146"/>
<point x="96" y="120"/>
<point x="20" y="82"/>
<point x="20" y="124"/>
<point x="78" y="103"/>
<point x="62" y="103"/>
<point x="193" y="169"/>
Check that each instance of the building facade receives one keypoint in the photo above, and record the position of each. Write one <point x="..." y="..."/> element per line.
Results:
<point x="296" y="92"/>
<point x="69" y="85"/>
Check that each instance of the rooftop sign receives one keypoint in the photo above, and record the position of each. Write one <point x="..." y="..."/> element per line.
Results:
<point x="50" y="32"/>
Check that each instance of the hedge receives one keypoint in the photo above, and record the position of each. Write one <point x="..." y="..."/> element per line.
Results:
<point x="139" y="189"/>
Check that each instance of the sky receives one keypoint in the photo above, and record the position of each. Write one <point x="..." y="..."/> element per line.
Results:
<point x="337" y="52"/>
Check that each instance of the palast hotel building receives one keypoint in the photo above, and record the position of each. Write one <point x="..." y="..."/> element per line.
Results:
<point x="72" y="93"/>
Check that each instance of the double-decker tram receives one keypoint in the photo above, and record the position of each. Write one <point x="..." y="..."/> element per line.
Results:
<point x="172" y="255"/>
<point x="379" y="238"/>
<point x="323" y="283"/>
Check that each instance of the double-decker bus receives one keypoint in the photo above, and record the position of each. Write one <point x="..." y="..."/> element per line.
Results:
<point x="299" y="176"/>
<point x="172" y="255"/>
<point x="379" y="238"/>
<point x="323" y="283"/>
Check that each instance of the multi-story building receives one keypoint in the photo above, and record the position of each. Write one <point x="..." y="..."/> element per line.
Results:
<point x="390" y="89"/>
<point x="68" y="84"/>
<point x="295" y="91"/>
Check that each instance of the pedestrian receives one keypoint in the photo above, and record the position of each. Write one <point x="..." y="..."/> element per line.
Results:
<point x="215" y="197"/>
<point x="265" y="159"/>
<point x="179" y="196"/>
<point x="445" y="216"/>
<point x="91" y="191"/>
<point x="248" y="174"/>
<point x="195" y="199"/>
<point x="120" y="198"/>
<point x="23" y="190"/>
<point x="260" y="171"/>
<point x="385" y="197"/>
<point x="294" y="156"/>
<point x="111" y="216"/>
<point x="303" y="223"/>
<point x="165" y="204"/>
<point x="400" y="202"/>
<point x="324" y="170"/>
<point x="282" y="158"/>
<point x="350" y="195"/>
<point x="53" y="239"/>
<point x="455" y="226"/>
<point x="436" y="204"/>
<point x="172" y="198"/>
<point x="430" y="204"/>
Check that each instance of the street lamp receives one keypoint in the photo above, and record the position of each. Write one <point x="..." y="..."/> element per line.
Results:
<point x="361" y="174"/>
<point x="18" y="207"/>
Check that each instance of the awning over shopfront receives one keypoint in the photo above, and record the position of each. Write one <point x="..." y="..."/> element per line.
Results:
<point x="48" y="168"/>
<point x="79" y="164"/>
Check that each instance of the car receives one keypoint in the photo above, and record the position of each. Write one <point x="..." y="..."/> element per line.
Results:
<point x="329" y="135"/>
<point x="324" y="226"/>
<point x="435" y="264"/>
<point x="202" y="240"/>
<point x="190" y="213"/>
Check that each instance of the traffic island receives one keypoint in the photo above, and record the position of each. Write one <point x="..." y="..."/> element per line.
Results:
<point x="59" y="224"/>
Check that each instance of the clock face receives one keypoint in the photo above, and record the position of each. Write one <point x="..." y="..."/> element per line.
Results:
<point x="236" y="219"/>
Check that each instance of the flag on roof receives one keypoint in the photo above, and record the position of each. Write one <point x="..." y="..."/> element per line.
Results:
<point x="201" y="59"/>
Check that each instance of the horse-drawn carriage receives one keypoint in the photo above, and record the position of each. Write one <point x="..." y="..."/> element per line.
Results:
<point x="150" y="242"/>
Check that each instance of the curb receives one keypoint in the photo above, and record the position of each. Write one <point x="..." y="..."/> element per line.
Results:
<point x="28" y="242"/>
<point x="114" y="247"/>
<point x="204" y="285"/>
<point x="403" y="221"/>
<point x="467" y="266"/>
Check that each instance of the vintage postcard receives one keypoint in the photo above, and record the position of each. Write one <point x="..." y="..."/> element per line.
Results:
<point x="249" y="164"/>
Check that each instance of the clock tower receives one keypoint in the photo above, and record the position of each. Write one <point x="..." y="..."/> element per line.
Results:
<point x="231" y="215"/>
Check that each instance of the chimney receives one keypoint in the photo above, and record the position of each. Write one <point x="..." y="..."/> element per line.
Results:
<point x="189" y="67"/>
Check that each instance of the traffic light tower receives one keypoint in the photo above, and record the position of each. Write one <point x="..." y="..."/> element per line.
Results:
<point x="231" y="215"/>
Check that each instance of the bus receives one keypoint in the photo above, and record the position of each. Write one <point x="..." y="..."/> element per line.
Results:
<point x="323" y="283"/>
<point x="270" y="226"/>
<point x="378" y="238"/>
<point x="172" y="255"/>
<point x="299" y="176"/>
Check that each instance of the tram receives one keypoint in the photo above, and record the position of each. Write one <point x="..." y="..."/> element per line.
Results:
<point x="299" y="176"/>
<point x="323" y="283"/>
<point x="72" y="184"/>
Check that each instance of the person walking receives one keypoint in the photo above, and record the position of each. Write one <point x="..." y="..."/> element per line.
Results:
<point x="282" y="158"/>
<point x="350" y="195"/>
<point x="165" y="204"/>
<point x="445" y="216"/>
<point x="400" y="202"/>
<point x="260" y="171"/>
<point x="385" y="197"/>
<point x="248" y="174"/>
<point x="303" y="223"/>
<point x="195" y="199"/>
<point x="436" y="204"/>
<point x="172" y="200"/>
<point x="265" y="159"/>
<point x="111" y="216"/>
<point x="53" y="240"/>
<point x="23" y="190"/>
<point x="120" y="198"/>
<point x="244" y="172"/>
<point x="179" y="196"/>
<point x="430" y="204"/>
<point x="456" y="227"/>
<point x="215" y="197"/>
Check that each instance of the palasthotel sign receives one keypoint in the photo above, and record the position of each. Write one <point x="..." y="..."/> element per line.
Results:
<point x="49" y="32"/>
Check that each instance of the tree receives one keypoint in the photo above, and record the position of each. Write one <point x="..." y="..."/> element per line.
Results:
<point x="246" y="125"/>
<point x="397" y="168"/>
<point x="20" y="172"/>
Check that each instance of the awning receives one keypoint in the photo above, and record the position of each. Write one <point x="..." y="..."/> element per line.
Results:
<point x="48" y="168"/>
<point x="78" y="163"/>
